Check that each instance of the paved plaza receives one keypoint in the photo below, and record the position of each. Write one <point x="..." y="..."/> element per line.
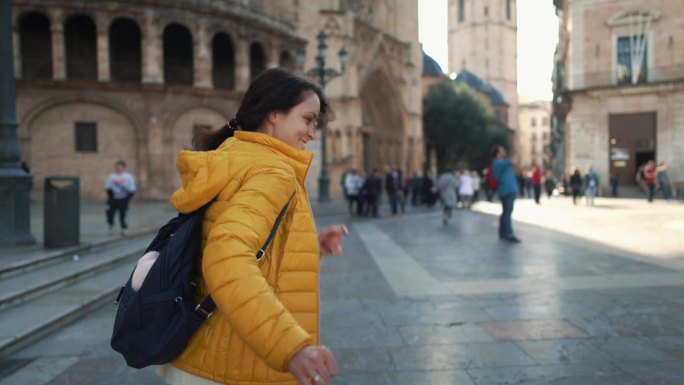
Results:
<point x="593" y="295"/>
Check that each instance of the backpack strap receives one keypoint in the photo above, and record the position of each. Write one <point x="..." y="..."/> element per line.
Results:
<point x="207" y="307"/>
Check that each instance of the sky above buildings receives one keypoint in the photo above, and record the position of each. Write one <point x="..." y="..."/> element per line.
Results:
<point x="537" y="37"/>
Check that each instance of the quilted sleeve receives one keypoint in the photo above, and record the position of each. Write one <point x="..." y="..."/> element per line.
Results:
<point x="232" y="273"/>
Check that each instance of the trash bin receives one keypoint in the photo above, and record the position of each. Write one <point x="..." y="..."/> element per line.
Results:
<point x="62" y="211"/>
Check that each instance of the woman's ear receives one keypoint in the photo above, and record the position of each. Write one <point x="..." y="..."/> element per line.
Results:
<point x="270" y="122"/>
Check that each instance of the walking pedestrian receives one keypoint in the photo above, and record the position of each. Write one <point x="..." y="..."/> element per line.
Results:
<point x="664" y="181"/>
<point x="120" y="187"/>
<point x="549" y="183"/>
<point x="476" y="185"/>
<point x="650" y="174"/>
<point x="265" y="329"/>
<point x="508" y="189"/>
<point x="576" y="185"/>
<point x="372" y="188"/>
<point x="536" y="181"/>
<point x="416" y="189"/>
<point x="465" y="189"/>
<point x="394" y="187"/>
<point x="614" y="181"/>
<point x="351" y="188"/>
<point x="591" y="181"/>
<point x="447" y="185"/>
<point x="429" y="189"/>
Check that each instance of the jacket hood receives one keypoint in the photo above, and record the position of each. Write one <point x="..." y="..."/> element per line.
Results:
<point x="205" y="173"/>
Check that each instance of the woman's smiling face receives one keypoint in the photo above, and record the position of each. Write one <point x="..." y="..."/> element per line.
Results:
<point x="298" y="126"/>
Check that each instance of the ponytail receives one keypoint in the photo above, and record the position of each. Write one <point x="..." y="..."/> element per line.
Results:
<point x="210" y="140"/>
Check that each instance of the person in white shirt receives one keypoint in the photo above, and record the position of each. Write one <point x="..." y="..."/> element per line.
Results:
<point x="476" y="185"/>
<point x="465" y="189"/>
<point x="352" y="186"/>
<point x="120" y="188"/>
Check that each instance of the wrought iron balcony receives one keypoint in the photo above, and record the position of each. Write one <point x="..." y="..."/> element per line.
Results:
<point x="614" y="79"/>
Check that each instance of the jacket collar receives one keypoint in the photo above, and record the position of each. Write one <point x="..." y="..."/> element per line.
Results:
<point x="299" y="159"/>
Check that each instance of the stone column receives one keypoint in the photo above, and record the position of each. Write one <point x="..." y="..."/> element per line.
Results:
<point x="17" y="51"/>
<point x="58" y="59"/>
<point x="15" y="183"/>
<point x="103" y="69"/>
<point x="242" y="65"/>
<point x="202" y="59"/>
<point x="152" y="57"/>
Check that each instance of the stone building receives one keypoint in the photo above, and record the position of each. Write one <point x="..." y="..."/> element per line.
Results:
<point x="619" y="86"/>
<point x="133" y="80"/>
<point x="483" y="41"/>
<point x="534" y="134"/>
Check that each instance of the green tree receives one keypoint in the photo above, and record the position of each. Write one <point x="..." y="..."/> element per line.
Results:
<point x="457" y="126"/>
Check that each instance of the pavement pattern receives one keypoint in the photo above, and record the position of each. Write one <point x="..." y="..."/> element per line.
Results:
<point x="414" y="302"/>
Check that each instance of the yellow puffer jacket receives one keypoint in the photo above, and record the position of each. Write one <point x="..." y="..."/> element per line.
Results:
<point x="266" y="310"/>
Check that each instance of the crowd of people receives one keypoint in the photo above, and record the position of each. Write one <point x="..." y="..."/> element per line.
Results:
<point x="364" y="192"/>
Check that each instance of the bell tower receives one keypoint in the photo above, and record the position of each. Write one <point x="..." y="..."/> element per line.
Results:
<point x="483" y="40"/>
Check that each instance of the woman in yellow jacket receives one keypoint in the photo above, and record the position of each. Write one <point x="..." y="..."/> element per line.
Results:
<point x="265" y="329"/>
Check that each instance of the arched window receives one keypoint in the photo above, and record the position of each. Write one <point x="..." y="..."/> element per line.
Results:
<point x="124" y="50"/>
<point x="35" y="46"/>
<point x="223" y="56"/>
<point x="257" y="60"/>
<point x="80" y="42"/>
<point x="286" y="61"/>
<point x="178" y="68"/>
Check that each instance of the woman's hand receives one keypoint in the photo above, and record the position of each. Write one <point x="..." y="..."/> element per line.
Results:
<point x="313" y="365"/>
<point x="330" y="240"/>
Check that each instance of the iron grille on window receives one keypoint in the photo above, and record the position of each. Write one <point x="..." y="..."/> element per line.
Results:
<point x="86" y="137"/>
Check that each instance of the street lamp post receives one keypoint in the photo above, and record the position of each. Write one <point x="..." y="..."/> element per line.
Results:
<point x="324" y="76"/>
<point x="15" y="183"/>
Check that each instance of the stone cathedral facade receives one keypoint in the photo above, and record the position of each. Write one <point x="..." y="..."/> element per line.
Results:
<point x="134" y="80"/>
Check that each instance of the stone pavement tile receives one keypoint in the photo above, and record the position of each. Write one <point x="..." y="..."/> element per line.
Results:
<point x="445" y="317"/>
<point x="39" y="371"/>
<point x="656" y="373"/>
<point x="562" y="351"/>
<point x="672" y="345"/>
<point x="479" y="301"/>
<point x="438" y="334"/>
<point x="627" y="349"/>
<point x="556" y="310"/>
<point x="635" y="325"/>
<point x="358" y="330"/>
<point x="362" y="379"/>
<point x="458" y="356"/>
<point x="106" y="371"/>
<point x="445" y="377"/>
<point x="569" y="374"/>
<point x="365" y="284"/>
<point x="11" y="365"/>
<point x="363" y="360"/>
<point x="519" y="330"/>
<point x="594" y="326"/>
<point x="342" y="305"/>
<point x="391" y="305"/>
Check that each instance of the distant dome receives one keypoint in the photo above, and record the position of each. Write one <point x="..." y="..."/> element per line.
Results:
<point x="430" y="66"/>
<point x="473" y="81"/>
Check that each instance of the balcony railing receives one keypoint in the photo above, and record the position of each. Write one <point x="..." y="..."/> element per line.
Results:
<point x="613" y="79"/>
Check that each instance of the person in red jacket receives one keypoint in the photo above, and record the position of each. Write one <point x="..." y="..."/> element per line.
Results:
<point x="650" y="175"/>
<point x="536" y="181"/>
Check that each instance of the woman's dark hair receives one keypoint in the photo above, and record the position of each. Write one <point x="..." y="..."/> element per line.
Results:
<point x="274" y="90"/>
<point x="495" y="151"/>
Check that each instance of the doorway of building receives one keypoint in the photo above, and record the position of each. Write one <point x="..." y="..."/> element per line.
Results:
<point x="632" y="143"/>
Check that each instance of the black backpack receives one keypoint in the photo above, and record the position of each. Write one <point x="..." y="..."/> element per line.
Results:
<point x="154" y="324"/>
